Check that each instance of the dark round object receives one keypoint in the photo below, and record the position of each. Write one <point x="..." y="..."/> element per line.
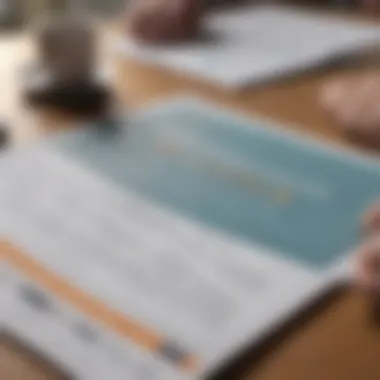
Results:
<point x="81" y="99"/>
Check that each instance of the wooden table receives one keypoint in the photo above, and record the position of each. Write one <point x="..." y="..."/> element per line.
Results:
<point x="338" y="343"/>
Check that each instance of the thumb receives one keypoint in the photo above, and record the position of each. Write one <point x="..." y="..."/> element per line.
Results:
<point x="368" y="266"/>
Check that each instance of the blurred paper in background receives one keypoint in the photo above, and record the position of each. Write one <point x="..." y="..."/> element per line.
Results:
<point x="252" y="45"/>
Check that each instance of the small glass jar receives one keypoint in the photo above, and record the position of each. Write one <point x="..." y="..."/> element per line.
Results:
<point x="66" y="43"/>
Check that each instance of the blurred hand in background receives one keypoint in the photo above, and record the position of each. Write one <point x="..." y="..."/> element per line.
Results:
<point x="370" y="5"/>
<point x="161" y="21"/>
<point x="355" y="105"/>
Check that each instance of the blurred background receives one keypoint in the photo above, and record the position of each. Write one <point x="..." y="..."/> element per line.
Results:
<point x="17" y="13"/>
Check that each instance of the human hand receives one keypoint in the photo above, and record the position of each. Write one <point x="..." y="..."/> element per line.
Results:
<point x="368" y="254"/>
<point x="370" y="5"/>
<point x="161" y="21"/>
<point x="355" y="105"/>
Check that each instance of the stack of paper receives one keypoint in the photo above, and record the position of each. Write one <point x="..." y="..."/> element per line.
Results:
<point x="256" y="44"/>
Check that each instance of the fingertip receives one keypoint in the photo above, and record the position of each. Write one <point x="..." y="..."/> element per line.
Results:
<point x="371" y="219"/>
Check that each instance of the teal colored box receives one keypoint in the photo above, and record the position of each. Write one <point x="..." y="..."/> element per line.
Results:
<point x="244" y="177"/>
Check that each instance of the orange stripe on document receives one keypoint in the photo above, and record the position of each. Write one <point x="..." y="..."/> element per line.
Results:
<point x="78" y="299"/>
<point x="85" y="303"/>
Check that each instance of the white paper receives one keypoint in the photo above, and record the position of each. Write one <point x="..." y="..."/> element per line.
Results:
<point x="256" y="44"/>
<point x="203" y="292"/>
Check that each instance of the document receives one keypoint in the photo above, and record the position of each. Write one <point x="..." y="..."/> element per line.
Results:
<point x="159" y="249"/>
